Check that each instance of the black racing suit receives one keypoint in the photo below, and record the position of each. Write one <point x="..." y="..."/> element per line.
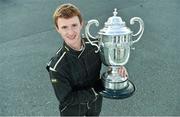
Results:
<point x="75" y="76"/>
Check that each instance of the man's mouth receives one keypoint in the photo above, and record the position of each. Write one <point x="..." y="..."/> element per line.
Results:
<point x="72" y="37"/>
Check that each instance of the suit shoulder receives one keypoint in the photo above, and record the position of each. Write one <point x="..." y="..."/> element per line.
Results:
<point x="56" y="60"/>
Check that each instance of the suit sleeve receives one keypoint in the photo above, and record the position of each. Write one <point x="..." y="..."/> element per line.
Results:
<point x="64" y="93"/>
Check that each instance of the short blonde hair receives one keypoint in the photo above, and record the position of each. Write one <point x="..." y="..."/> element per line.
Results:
<point x="66" y="11"/>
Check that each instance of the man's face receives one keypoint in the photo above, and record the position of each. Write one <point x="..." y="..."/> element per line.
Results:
<point x="69" y="30"/>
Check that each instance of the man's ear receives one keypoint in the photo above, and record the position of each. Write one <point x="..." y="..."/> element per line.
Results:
<point x="82" y="24"/>
<point x="57" y="29"/>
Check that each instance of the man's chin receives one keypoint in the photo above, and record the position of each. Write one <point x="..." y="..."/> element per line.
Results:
<point x="72" y="40"/>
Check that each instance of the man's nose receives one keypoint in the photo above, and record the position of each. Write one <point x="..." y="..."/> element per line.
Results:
<point x="70" y="31"/>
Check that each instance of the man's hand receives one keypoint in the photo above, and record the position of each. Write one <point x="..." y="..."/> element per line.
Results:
<point x="123" y="72"/>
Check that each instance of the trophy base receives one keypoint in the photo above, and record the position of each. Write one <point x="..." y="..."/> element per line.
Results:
<point x="119" y="94"/>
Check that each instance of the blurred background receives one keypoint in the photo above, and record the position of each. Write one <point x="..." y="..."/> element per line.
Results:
<point x="28" y="40"/>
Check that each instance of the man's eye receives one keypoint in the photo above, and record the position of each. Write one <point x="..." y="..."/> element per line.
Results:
<point x="64" y="27"/>
<point x="74" y="25"/>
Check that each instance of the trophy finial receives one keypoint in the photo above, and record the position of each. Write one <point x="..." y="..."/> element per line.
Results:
<point x="115" y="12"/>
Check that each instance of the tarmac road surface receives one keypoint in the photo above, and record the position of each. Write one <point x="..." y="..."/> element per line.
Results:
<point x="28" y="40"/>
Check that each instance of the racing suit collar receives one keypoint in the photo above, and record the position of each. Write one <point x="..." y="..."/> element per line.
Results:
<point x="72" y="51"/>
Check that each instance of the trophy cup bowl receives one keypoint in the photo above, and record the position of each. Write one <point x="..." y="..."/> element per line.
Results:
<point x="114" y="45"/>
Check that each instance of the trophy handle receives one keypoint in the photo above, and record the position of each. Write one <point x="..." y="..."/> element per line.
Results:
<point x="87" y="34"/>
<point x="141" y="28"/>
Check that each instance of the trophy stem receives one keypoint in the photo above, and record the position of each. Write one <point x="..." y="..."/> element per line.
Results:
<point x="114" y="70"/>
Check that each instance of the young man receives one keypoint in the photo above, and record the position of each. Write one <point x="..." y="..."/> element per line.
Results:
<point x="75" y="69"/>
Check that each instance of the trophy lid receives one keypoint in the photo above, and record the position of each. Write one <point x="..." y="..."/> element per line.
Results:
<point x="115" y="26"/>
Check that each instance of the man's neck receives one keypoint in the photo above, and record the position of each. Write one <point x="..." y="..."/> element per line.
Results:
<point x="76" y="46"/>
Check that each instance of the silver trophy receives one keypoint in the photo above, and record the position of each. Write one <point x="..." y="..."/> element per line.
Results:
<point x="114" y="44"/>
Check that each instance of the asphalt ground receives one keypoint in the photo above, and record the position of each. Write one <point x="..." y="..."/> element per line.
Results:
<point x="28" y="40"/>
